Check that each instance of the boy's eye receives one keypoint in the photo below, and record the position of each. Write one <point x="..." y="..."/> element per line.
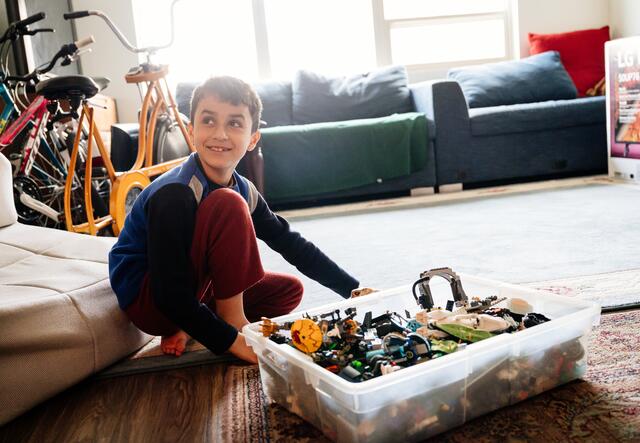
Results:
<point x="208" y="120"/>
<point x="235" y="124"/>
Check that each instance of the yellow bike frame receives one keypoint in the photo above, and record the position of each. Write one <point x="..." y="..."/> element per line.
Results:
<point x="143" y="169"/>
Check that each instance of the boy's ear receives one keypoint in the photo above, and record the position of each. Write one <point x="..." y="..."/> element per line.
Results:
<point x="255" y="137"/>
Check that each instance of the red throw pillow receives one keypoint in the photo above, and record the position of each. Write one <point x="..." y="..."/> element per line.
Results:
<point x="582" y="53"/>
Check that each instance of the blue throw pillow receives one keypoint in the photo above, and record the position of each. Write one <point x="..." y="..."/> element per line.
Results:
<point x="532" y="79"/>
<point x="375" y="94"/>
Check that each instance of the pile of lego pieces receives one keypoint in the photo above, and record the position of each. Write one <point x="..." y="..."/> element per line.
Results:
<point x="359" y="351"/>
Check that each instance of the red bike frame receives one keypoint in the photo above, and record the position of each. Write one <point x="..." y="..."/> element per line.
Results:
<point x="38" y="113"/>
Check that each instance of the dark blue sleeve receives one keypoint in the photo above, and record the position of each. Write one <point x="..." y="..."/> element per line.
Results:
<point x="301" y="253"/>
<point x="171" y="214"/>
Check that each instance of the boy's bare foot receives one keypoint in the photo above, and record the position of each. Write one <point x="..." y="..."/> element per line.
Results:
<point x="174" y="344"/>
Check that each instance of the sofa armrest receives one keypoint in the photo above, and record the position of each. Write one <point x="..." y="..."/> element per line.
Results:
<point x="8" y="214"/>
<point x="444" y="102"/>
<point x="422" y="95"/>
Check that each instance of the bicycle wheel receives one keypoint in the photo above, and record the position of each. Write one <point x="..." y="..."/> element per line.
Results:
<point x="168" y="141"/>
<point x="39" y="188"/>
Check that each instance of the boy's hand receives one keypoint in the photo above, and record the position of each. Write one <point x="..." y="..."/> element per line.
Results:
<point x="242" y="350"/>
<point x="359" y="292"/>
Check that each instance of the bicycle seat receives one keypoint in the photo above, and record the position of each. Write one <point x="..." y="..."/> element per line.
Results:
<point x="68" y="86"/>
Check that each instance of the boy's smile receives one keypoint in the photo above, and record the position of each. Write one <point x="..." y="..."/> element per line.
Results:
<point x="221" y="133"/>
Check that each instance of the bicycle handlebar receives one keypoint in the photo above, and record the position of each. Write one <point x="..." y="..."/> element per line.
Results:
<point x="84" y="42"/>
<point x="16" y="29"/>
<point x="119" y="34"/>
<point x="31" y="19"/>
<point x="66" y="52"/>
<point x="77" y="14"/>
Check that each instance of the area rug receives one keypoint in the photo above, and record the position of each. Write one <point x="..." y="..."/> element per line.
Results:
<point x="603" y="407"/>
<point x="534" y="236"/>
<point x="613" y="290"/>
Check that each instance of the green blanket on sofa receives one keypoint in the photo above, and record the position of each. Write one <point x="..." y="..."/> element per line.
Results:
<point x="319" y="158"/>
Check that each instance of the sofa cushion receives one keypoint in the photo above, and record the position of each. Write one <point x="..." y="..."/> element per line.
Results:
<point x="542" y="116"/>
<point x="60" y="319"/>
<point x="377" y="93"/>
<point x="317" y="158"/>
<point x="582" y="53"/>
<point x="276" y="103"/>
<point x="532" y="79"/>
<point x="8" y="214"/>
<point x="275" y="97"/>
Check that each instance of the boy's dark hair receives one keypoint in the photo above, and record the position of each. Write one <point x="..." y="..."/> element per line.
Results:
<point x="231" y="90"/>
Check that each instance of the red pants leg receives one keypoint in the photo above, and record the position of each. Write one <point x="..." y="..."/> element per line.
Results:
<point x="276" y="294"/>
<point x="224" y="251"/>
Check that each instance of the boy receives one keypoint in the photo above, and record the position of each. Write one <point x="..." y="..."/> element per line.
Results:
<point x="187" y="261"/>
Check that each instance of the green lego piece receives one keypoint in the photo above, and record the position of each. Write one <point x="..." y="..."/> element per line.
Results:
<point x="465" y="333"/>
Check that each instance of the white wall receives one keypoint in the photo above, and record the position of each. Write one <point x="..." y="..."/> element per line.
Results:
<point x="109" y="58"/>
<point x="551" y="16"/>
<point x="625" y="18"/>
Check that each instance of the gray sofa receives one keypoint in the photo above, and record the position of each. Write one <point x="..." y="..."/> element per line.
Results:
<point x="59" y="319"/>
<point x="331" y="139"/>
<point x="511" y="122"/>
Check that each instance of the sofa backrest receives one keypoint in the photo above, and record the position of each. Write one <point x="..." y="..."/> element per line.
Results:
<point x="8" y="214"/>
<point x="537" y="78"/>
<point x="313" y="98"/>
<point x="378" y="93"/>
<point x="275" y="96"/>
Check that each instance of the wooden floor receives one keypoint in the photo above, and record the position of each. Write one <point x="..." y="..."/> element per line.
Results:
<point x="180" y="405"/>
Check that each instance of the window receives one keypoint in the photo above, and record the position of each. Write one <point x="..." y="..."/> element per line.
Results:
<point x="260" y="39"/>
<point x="211" y="37"/>
<point x="330" y="36"/>
<point x="425" y="32"/>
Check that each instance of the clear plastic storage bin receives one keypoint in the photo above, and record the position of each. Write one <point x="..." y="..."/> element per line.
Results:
<point x="423" y="400"/>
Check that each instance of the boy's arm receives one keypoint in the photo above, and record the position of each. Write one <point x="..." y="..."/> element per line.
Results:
<point x="304" y="255"/>
<point x="171" y="213"/>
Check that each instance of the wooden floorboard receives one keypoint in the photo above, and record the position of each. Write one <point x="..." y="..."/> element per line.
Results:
<point x="180" y="405"/>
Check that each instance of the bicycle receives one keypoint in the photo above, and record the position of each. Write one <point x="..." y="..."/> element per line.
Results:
<point x="153" y="157"/>
<point x="35" y="141"/>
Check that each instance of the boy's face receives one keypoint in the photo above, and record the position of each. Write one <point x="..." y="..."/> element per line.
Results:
<point x="221" y="133"/>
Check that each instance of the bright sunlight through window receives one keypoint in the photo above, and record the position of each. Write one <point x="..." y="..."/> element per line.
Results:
<point x="212" y="37"/>
<point x="333" y="37"/>
<point x="330" y="36"/>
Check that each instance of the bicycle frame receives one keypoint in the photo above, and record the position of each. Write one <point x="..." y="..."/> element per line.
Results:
<point x="126" y="184"/>
<point x="36" y="112"/>
<point x="34" y="119"/>
<point x="139" y="175"/>
<point x="156" y="101"/>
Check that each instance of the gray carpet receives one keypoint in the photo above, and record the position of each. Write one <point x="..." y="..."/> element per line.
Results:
<point x="517" y="238"/>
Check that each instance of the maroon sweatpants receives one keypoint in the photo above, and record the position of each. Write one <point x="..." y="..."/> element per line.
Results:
<point x="225" y="261"/>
